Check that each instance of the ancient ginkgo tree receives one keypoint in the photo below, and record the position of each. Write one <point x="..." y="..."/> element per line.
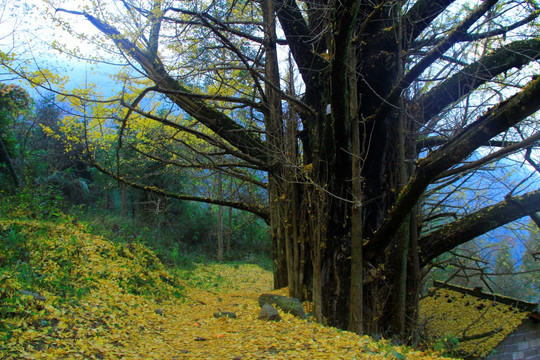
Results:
<point x="353" y="116"/>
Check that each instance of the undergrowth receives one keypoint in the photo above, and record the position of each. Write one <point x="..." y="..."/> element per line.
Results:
<point x="166" y="242"/>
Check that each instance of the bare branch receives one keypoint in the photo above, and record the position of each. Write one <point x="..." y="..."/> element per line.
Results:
<point x="492" y="157"/>
<point x="453" y="37"/>
<point x="224" y="168"/>
<point x="207" y="138"/>
<point x="477" y="223"/>
<point x="461" y="84"/>
<point x="474" y="37"/>
<point x="252" y="208"/>
<point x="421" y="15"/>
<point x="495" y="121"/>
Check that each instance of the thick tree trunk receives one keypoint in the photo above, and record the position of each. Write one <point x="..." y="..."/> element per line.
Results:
<point x="344" y="194"/>
<point x="402" y="236"/>
<point x="356" y="312"/>
<point x="274" y="128"/>
<point x="295" y="236"/>
<point x="354" y="170"/>
<point x="278" y="254"/>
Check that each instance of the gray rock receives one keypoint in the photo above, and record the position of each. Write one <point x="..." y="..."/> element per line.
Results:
<point x="35" y="295"/>
<point x="287" y="304"/>
<point x="218" y="314"/>
<point x="268" y="312"/>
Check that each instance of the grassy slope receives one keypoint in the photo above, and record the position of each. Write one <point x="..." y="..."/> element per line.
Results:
<point x="107" y="300"/>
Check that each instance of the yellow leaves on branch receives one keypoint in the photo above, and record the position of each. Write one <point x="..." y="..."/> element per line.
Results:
<point x="6" y="58"/>
<point x="45" y="77"/>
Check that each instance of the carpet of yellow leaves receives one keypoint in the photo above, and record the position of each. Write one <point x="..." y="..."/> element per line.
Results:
<point x="121" y="303"/>
<point x="450" y="314"/>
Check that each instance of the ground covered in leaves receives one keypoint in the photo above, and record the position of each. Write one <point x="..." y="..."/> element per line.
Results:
<point x="66" y="294"/>
<point x="469" y="325"/>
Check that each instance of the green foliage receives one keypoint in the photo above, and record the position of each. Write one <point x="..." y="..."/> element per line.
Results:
<point x="14" y="259"/>
<point x="182" y="235"/>
<point x="58" y="260"/>
<point x="13" y="101"/>
<point x="12" y="246"/>
<point x="38" y="202"/>
<point x="446" y="345"/>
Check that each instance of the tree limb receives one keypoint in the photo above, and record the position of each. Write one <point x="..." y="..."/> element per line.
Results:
<point x="215" y="120"/>
<point x="224" y="168"/>
<point x="205" y="137"/>
<point x="453" y="37"/>
<point x="224" y="26"/>
<point x="493" y="122"/>
<point x="474" y="37"/>
<point x="260" y="211"/>
<point x="436" y="141"/>
<point x="421" y="15"/>
<point x="215" y="97"/>
<point x="468" y="227"/>
<point x="494" y="156"/>
<point x="300" y="39"/>
<point x="461" y="84"/>
<point x="531" y="161"/>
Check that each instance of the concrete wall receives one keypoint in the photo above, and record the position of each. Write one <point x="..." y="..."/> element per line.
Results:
<point x="522" y="344"/>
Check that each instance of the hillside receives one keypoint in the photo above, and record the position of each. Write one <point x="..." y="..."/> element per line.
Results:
<point x="66" y="294"/>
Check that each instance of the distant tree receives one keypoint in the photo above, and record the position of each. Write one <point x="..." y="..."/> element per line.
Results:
<point x="529" y="268"/>
<point x="381" y="107"/>
<point x="503" y="273"/>
<point x="46" y="154"/>
<point x="13" y="100"/>
<point x="509" y="265"/>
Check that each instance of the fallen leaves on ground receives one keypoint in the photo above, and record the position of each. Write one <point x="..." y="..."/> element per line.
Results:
<point x="454" y="316"/>
<point x="117" y="301"/>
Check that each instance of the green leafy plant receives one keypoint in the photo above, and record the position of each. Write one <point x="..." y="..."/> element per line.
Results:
<point x="446" y="345"/>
